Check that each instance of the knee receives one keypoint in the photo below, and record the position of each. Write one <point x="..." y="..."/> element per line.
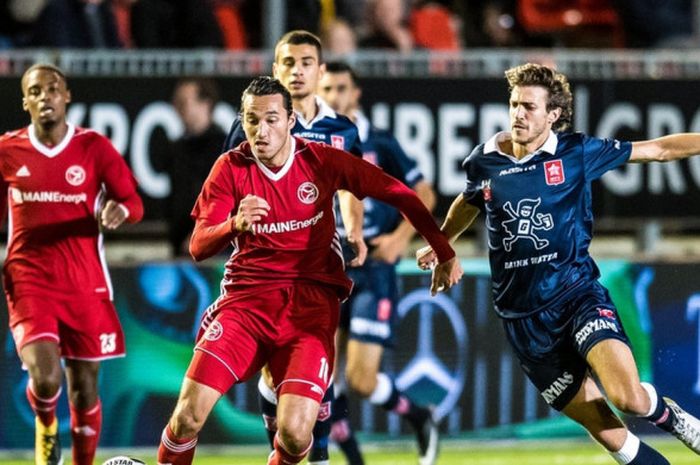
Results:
<point x="634" y="401"/>
<point x="186" y="422"/>
<point x="295" y="435"/>
<point x="46" y="382"/>
<point x="361" y="380"/>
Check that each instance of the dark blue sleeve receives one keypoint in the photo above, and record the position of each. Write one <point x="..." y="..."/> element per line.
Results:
<point x="398" y="164"/>
<point x="235" y="135"/>
<point x="603" y="155"/>
<point x="473" y="186"/>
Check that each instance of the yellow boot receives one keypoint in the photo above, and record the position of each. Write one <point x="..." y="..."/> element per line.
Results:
<point x="48" y="447"/>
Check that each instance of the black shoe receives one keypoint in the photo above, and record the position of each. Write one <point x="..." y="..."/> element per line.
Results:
<point x="428" y="438"/>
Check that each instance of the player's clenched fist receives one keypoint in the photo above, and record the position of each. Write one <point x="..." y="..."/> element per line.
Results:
<point x="250" y="210"/>
<point x="112" y="215"/>
<point x="446" y="275"/>
<point x="426" y="258"/>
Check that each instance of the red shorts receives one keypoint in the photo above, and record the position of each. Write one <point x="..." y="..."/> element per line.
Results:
<point x="85" y="328"/>
<point x="291" y="329"/>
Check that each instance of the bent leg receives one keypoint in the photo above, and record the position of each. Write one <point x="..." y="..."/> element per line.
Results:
<point x="590" y="410"/>
<point x="296" y="416"/>
<point x="85" y="409"/>
<point x="179" y="438"/>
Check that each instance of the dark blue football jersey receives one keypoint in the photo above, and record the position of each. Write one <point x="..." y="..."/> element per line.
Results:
<point x="538" y="216"/>
<point x="328" y="127"/>
<point x="381" y="148"/>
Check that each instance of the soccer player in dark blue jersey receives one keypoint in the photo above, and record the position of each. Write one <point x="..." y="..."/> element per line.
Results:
<point x="368" y="318"/>
<point x="534" y="185"/>
<point x="298" y="65"/>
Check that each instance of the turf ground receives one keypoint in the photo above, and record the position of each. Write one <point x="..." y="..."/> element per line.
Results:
<point x="452" y="453"/>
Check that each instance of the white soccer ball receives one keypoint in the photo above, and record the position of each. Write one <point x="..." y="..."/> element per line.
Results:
<point x="123" y="460"/>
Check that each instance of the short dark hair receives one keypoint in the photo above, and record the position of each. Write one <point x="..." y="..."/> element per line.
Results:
<point x="266" y="85"/>
<point x="338" y="67"/>
<point x="207" y="89"/>
<point x="300" y="37"/>
<point x="556" y="84"/>
<point x="46" y="67"/>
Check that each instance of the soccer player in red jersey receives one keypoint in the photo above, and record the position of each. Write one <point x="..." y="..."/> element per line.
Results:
<point x="272" y="197"/>
<point x="62" y="184"/>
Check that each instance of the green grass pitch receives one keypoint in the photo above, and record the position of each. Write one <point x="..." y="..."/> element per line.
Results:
<point x="452" y="453"/>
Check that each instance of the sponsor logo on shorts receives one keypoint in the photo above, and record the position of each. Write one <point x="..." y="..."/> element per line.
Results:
<point x="555" y="389"/>
<point x="593" y="326"/>
<point x="75" y="175"/>
<point x="606" y="312"/>
<point x="365" y="327"/>
<point x="214" y="331"/>
<point x="324" y="411"/>
<point x="307" y="193"/>
<point x="384" y="309"/>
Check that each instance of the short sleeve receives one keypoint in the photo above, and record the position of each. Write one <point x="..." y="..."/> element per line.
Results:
<point x="603" y="155"/>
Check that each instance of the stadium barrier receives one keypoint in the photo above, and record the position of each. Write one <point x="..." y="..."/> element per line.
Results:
<point x="450" y="351"/>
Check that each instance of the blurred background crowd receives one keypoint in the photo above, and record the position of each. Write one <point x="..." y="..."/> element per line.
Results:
<point x="348" y="25"/>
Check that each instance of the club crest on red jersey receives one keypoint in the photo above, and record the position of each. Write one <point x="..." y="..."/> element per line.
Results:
<point x="75" y="175"/>
<point x="307" y="193"/>
<point x="214" y="331"/>
<point x="554" y="172"/>
<point x="338" y="141"/>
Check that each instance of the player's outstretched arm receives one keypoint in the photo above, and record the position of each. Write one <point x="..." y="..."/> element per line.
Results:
<point x="459" y="217"/>
<point x="667" y="148"/>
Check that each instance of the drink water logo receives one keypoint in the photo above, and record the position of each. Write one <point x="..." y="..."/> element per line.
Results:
<point x="524" y="222"/>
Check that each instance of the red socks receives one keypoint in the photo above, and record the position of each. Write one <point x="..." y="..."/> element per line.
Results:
<point x="280" y="456"/>
<point x="45" y="409"/>
<point x="85" y="428"/>
<point x="175" y="451"/>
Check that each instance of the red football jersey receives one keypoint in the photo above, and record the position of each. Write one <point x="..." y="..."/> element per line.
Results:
<point x="54" y="195"/>
<point x="298" y="239"/>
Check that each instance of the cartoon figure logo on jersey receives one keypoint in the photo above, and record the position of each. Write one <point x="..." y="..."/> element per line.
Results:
<point x="524" y="222"/>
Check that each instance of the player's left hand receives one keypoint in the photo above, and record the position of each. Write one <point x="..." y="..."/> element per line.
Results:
<point x="359" y="247"/>
<point x="112" y="215"/>
<point x="388" y="248"/>
<point x="446" y="275"/>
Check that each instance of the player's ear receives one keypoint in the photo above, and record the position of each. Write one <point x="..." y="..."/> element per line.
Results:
<point x="24" y="104"/>
<point x="291" y="121"/>
<point x="69" y="97"/>
<point x="274" y="71"/>
<point x="553" y="115"/>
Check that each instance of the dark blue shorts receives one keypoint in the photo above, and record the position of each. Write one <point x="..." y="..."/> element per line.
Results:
<point x="552" y="344"/>
<point x="369" y="314"/>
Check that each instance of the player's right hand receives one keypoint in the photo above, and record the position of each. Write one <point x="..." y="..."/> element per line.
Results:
<point x="250" y="210"/>
<point x="359" y="246"/>
<point x="426" y="258"/>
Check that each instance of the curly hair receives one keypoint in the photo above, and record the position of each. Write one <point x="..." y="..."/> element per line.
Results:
<point x="557" y="85"/>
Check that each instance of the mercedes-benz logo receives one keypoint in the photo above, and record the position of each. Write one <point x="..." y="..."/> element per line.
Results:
<point x="307" y="192"/>
<point x="426" y="366"/>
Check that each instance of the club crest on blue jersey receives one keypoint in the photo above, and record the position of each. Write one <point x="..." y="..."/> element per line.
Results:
<point x="554" y="172"/>
<point x="338" y="141"/>
<point x="486" y="189"/>
<point x="307" y="193"/>
<point x="524" y="222"/>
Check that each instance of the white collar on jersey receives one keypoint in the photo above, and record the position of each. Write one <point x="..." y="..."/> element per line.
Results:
<point x="323" y="110"/>
<point x="50" y="151"/>
<point x="362" y="123"/>
<point x="276" y="176"/>
<point x="549" y="146"/>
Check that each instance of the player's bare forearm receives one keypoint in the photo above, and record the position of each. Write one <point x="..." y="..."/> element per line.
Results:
<point x="666" y="148"/>
<point x="459" y="217"/>
<point x="352" y="212"/>
<point x="207" y="240"/>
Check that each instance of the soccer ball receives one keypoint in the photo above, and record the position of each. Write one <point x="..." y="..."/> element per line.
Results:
<point x="123" y="460"/>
